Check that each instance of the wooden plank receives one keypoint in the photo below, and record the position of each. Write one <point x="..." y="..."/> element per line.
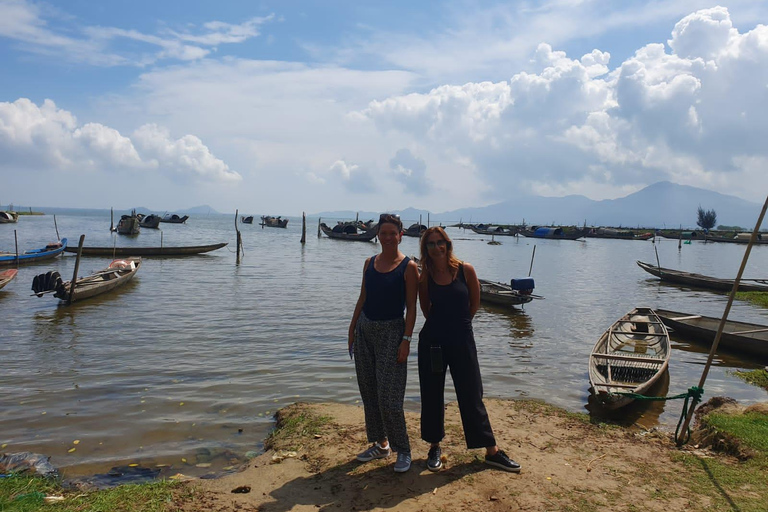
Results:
<point x="617" y="357"/>
<point x="749" y="332"/>
<point x="690" y="317"/>
<point x="617" y="385"/>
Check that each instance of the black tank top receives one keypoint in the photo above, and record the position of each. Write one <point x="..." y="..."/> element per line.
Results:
<point x="449" y="316"/>
<point x="385" y="291"/>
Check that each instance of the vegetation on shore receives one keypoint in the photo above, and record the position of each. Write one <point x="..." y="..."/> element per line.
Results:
<point x="755" y="377"/>
<point x="756" y="298"/>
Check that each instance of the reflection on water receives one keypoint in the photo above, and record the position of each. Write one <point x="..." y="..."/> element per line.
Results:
<point x="642" y="413"/>
<point x="187" y="363"/>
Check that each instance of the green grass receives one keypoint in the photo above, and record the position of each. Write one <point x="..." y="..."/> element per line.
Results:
<point x="756" y="298"/>
<point x="24" y="493"/>
<point x="754" y="377"/>
<point x="294" y="429"/>
<point x="749" y="428"/>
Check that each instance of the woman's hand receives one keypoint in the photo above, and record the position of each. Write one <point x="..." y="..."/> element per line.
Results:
<point x="403" y="351"/>
<point x="351" y="342"/>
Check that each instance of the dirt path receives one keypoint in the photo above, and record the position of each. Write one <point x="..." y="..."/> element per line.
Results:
<point x="568" y="464"/>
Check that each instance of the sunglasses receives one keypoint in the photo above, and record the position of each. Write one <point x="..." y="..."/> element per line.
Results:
<point x="439" y="243"/>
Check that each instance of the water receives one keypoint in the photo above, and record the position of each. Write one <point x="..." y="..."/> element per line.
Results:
<point x="186" y="364"/>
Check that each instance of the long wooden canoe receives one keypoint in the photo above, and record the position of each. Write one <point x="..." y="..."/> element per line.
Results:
<point x="116" y="274"/>
<point x="702" y="281"/>
<point x="47" y="252"/>
<point x="365" y="236"/>
<point x="503" y="294"/>
<point x="629" y="358"/>
<point x="187" y="250"/>
<point x="6" y="276"/>
<point x="737" y="336"/>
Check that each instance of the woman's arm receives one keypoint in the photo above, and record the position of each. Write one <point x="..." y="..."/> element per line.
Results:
<point x="473" y="284"/>
<point x="358" y="308"/>
<point x="411" y="290"/>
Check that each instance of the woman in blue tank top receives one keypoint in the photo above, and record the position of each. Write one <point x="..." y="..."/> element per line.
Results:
<point x="449" y="295"/>
<point x="380" y="339"/>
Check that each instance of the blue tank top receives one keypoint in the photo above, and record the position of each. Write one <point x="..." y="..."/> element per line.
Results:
<point x="385" y="291"/>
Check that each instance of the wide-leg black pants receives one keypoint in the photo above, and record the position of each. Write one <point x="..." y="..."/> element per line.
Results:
<point x="461" y="357"/>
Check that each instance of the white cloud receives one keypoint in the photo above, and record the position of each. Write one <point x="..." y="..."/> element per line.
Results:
<point x="411" y="171"/>
<point x="353" y="177"/>
<point x="36" y="138"/>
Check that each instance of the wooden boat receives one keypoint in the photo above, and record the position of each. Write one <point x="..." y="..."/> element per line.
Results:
<point x="349" y="232"/>
<point x="415" y="230"/>
<point x="151" y="221"/>
<point x="128" y="224"/>
<point x="553" y="233"/>
<point x="6" y="276"/>
<point x="739" y="238"/>
<point x="619" y="234"/>
<point x="187" y="250"/>
<point x="486" y="229"/>
<point x="174" y="219"/>
<point x="677" y="235"/>
<point x="629" y="358"/>
<point x="507" y="294"/>
<point x="7" y="217"/>
<point x="273" y="222"/>
<point x="702" y="281"/>
<point x="49" y="251"/>
<point x="737" y="336"/>
<point x="116" y="274"/>
<point x="246" y="219"/>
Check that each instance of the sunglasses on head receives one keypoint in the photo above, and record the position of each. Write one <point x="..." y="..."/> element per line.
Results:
<point x="439" y="243"/>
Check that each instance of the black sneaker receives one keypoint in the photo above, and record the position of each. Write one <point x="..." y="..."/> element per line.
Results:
<point x="433" y="459"/>
<point x="501" y="461"/>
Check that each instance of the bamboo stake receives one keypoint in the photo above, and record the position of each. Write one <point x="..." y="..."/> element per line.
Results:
<point x="318" y="227"/>
<point x="56" y="226"/>
<point x="303" y="227"/>
<point x="721" y="327"/>
<point x="111" y="219"/>
<point x="239" y="239"/>
<point x="77" y="267"/>
<point x="532" y="256"/>
<point x="16" y="241"/>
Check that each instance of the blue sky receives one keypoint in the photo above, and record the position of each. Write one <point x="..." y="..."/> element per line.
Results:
<point x="280" y="107"/>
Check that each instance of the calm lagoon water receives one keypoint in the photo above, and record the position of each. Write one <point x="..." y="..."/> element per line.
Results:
<point x="187" y="364"/>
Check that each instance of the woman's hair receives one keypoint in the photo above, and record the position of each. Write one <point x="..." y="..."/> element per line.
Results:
<point x="389" y="218"/>
<point x="426" y="260"/>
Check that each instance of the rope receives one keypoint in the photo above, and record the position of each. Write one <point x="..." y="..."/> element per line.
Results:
<point x="694" y="393"/>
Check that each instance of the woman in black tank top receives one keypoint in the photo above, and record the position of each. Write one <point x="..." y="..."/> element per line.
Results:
<point x="380" y="339"/>
<point x="449" y="295"/>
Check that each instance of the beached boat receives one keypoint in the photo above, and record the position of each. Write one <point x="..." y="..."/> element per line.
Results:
<point x="349" y="232"/>
<point x="517" y="293"/>
<point x="187" y="250"/>
<point x="739" y="238"/>
<point x="246" y="219"/>
<point x="415" y="230"/>
<point x="273" y="222"/>
<point x="553" y="233"/>
<point x="128" y="225"/>
<point x="619" y="234"/>
<point x="487" y="229"/>
<point x="116" y="274"/>
<point x="7" y="217"/>
<point x="49" y="251"/>
<point x="737" y="336"/>
<point x="6" y="276"/>
<point x="172" y="218"/>
<point x="702" y="281"/>
<point x="151" y="221"/>
<point x="629" y="358"/>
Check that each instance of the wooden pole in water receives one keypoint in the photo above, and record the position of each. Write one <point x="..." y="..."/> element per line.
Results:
<point x="111" y="219"/>
<point x="239" y="239"/>
<point x="303" y="227"/>
<point x="720" y="327"/>
<point x="16" y="241"/>
<point x="532" y="256"/>
<point x="318" y="227"/>
<point x="77" y="267"/>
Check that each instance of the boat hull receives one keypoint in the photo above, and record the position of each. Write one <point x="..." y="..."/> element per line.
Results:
<point x="148" y="251"/>
<point x="699" y="280"/>
<point x="6" y="276"/>
<point x="45" y="253"/>
<point x="502" y="294"/>
<point x="104" y="281"/>
<point x="365" y="236"/>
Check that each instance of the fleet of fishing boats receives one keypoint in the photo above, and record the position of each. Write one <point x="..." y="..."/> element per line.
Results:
<point x="626" y="362"/>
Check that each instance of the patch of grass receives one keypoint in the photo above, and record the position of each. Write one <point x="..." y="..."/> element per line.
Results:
<point x="294" y="426"/>
<point x="756" y="298"/>
<point x="755" y="377"/>
<point x="750" y="428"/>
<point x="26" y="493"/>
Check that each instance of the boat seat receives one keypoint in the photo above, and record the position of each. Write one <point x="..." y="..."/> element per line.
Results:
<point x="617" y="357"/>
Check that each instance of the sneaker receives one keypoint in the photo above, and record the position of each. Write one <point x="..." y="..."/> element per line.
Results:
<point x="403" y="463"/>
<point x="374" y="452"/>
<point x="501" y="461"/>
<point x="433" y="459"/>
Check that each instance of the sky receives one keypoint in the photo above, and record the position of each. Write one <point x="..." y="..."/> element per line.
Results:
<point x="286" y="106"/>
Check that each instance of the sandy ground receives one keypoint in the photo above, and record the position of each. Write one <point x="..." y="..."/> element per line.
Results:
<point x="568" y="464"/>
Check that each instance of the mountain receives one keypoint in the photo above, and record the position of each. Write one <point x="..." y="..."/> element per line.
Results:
<point x="660" y="205"/>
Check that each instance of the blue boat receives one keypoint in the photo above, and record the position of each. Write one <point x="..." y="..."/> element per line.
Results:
<point x="49" y="251"/>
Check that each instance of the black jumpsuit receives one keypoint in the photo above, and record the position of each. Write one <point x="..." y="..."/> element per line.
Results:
<point x="449" y="326"/>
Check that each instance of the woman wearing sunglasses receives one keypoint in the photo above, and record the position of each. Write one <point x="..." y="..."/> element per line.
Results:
<point x="449" y="295"/>
<point x="380" y="339"/>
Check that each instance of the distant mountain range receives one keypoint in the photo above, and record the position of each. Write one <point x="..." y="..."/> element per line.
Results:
<point x="197" y="210"/>
<point x="660" y="205"/>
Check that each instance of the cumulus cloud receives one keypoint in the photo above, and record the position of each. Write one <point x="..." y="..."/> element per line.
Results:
<point x="410" y="171"/>
<point x="26" y="23"/>
<point x="42" y="137"/>
<point x="353" y="177"/>
<point x="691" y="113"/>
